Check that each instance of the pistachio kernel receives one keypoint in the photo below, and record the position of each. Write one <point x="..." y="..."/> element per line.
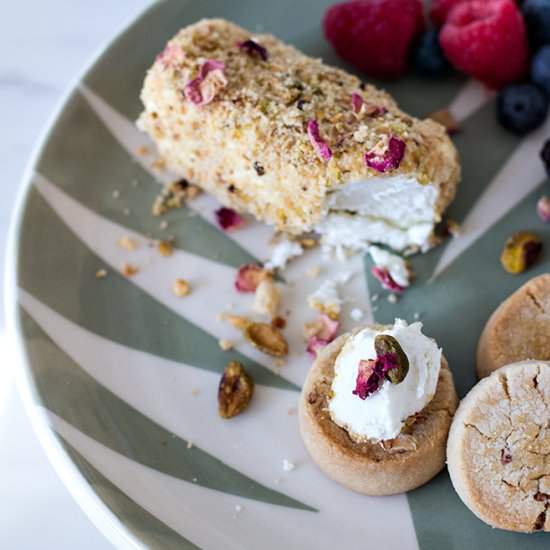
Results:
<point x="266" y="338"/>
<point x="234" y="391"/>
<point x="520" y="252"/>
<point x="394" y="359"/>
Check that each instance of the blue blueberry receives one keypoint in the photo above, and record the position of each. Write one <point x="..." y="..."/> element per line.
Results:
<point x="428" y="56"/>
<point x="545" y="156"/>
<point x="521" y="108"/>
<point x="540" y="69"/>
<point x="537" y="18"/>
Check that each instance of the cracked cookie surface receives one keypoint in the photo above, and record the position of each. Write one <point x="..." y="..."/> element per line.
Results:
<point x="498" y="453"/>
<point x="519" y="328"/>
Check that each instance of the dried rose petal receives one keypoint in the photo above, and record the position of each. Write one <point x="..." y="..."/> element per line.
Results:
<point x="390" y="159"/>
<point x="323" y="327"/>
<point x="171" y="54"/>
<point x="323" y="150"/>
<point x="249" y="276"/>
<point x="251" y="47"/>
<point x="543" y="209"/>
<point x="505" y="456"/>
<point x="316" y="344"/>
<point x="357" y="103"/>
<point x="228" y="219"/>
<point x="369" y="378"/>
<point x="386" y="280"/>
<point x="320" y="333"/>
<point x="210" y="80"/>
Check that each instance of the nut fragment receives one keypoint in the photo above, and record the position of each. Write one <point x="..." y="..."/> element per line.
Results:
<point x="249" y="276"/>
<point x="234" y="391"/>
<point x="101" y="273"/>
<point x="446" y="119"/>
<point x="181" y="287"/>
<point x="267" y="298"/>
<point x="165" y="248"/>
<point x="237" y="321"/>
<point x="128" y="270"/>
<point x="267" y="339"/>
<point x="520" y="252"/>
<point x="392" y="357"/>
<point x="127" y="243"/>
<point x="226" y="345"/>
<point x="173" y="195"/>
<point x="278" y="322"/>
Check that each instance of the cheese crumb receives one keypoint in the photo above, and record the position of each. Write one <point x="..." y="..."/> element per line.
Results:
<point x="356" y="314"/>
<point x="226" y="345"/>
<point x="288" y="466"/>
<point x="189" y="445"/>
<point x="282" y="253"/>
<point x="314" y="272"/>
<point x="392" y="298"/>
<point x="326" y="299"/>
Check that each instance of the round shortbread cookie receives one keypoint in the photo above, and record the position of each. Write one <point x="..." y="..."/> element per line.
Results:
<point x="519" y="329"/>
<point x="385" y="468"/>
<point x="498" y="453"/>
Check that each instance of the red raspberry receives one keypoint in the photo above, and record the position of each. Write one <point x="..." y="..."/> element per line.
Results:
<point x="439" y="9"/>
<point x="374" y="35"/>
<point x="486" y="39"/>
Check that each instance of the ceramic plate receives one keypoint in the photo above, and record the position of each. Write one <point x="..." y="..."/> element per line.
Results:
<point x="120" y="376"/>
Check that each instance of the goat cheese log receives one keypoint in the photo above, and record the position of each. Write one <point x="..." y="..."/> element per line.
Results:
<point x="298" y="144"/>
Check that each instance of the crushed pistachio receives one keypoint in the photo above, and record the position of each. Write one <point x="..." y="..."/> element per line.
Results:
<point x="234" y="391"/>
<point x="128" y="270"/>
<point x="165" y="248"/>
<point x="173" y="195"/>
<point x="520" y="252"/>
<point x="127" y="243"/>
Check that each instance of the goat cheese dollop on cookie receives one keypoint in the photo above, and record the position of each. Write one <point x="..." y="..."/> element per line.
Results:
<point x="380" y="413"/>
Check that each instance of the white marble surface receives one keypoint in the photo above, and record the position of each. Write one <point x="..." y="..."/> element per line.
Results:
<point x="43" y="45"/>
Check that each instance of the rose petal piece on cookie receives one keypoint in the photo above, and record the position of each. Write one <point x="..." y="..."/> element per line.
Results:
<point x="498" y="448"/>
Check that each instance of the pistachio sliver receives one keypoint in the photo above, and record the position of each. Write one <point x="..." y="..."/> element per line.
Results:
<point x="234" y="391"/>
<point x="391" y="356"/>
<point x="238" y="321"/>
<point x="266" y="338"/>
